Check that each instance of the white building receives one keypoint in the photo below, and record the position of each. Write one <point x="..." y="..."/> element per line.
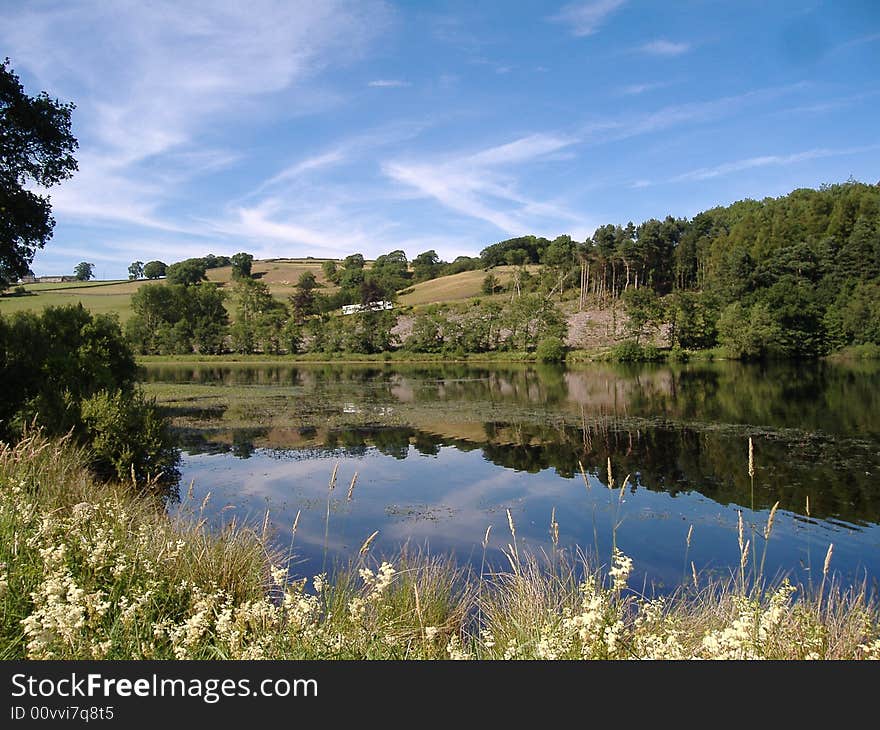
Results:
<point x="371" y="307"/>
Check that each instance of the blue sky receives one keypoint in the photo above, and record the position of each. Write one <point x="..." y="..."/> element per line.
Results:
<point x="327" y="128"/>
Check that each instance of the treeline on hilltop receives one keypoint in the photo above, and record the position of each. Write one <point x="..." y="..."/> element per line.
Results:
<point x="795" y="276"/>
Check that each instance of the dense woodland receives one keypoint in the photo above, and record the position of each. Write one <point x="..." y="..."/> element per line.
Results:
<point x="795" y="276"/>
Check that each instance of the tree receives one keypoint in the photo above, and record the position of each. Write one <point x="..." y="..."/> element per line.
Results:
<point x="426" y="265"/>
<point x="329" y="269"/>
<point x="355" y="261"/>
<point x="188" y="272"/>
<point x="528" y="320"/>
<point x="259" y="318"/>
<point x="692" y="319"/>
<point x="36" y="148"/>
<point x="560" y="257"/>
<point x="207" y="317"/>
<point x="371" y="291"/>
<point x="303" y="300"/>
<point x="136" y="270"/>
<point x="177" y="319"/>
<point x="748" y="333"/>
<point x="56" y="359"/>
<point x="241" y="265"/>
<point x="154" y="269"/>
<point x="84" y="271"/>
<point x="215" y="262"/>
<point x="307" y="281"/>
<point x="644" y="311"/>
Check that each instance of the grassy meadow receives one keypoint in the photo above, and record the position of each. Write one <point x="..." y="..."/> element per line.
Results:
<point x="104" y="297"/>
<point x="455" y="287"/>
<point x="91" y="570"/>
<point x="101" y="297"/>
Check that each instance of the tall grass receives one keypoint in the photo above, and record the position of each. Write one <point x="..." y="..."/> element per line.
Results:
<point x="89" y="570"/>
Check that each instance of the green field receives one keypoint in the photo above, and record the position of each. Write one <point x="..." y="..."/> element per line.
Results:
<point x="281" y="275"/>
<point x="102" y="297"/>
<point x="99" y="297"/>
<point x="452" y="288"/>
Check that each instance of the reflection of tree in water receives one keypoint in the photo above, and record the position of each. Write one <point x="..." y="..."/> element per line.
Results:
<point x="243" y="441"/>
<point x="673" y="428"/>
<point x="672" y="459"/>
<point x="679" y="459"/>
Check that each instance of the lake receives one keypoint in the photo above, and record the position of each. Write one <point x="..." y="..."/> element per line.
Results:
<point x="440" y="453"/>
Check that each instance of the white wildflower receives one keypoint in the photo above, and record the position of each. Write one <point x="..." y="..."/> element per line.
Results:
<point x="455" y="651"/>
<point x="357" y="608"/>
<point x="870" y="650"/>
<point x="384" y="576"/>
<point x="320" y="583"/>
<point x="488" y="638"/>
<point x="620" y="570"/>
<point x="512" y="650"/>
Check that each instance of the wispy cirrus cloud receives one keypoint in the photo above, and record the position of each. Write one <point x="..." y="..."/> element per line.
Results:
<point x="728" y="168"/>
<point x="343" y="152"/>
<point x="861" y="40"/>
<point x="270" y="230"/>
<point x="697" y="112"/>
<point x="662" y="47"/>
<point x="636" y="89"/>
<point x="831" y="104"/>
<point x="161" y="77"/>
<point x="585" y="18"/>
<point x="483" y="186"/>
<point x="751" y="163"/>
<point x="388" y="83"/>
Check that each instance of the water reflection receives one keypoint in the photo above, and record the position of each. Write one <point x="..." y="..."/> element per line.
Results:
<point x="680" y="433"/>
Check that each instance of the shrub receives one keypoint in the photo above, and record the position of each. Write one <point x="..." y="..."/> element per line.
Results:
<point x="129" y="438"/>
<point x="72" y="372"/>
<point x="627" y="351"/>
<point x="632" y="351"/>
<point x="551" y="349"/>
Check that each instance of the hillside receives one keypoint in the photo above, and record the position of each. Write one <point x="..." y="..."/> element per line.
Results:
<point x="280" y="274"/>
<point x="101" y="297"/>
<point x="587" y="329"/>
<point x="453" y="288"/>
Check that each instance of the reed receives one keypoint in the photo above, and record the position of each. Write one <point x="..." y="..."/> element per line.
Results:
<point x="92" y="571"/>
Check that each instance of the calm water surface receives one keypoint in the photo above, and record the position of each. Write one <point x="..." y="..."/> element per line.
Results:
<point x="442" y="452"/>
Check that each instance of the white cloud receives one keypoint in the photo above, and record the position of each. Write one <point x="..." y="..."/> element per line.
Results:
<point x="520" y="150"/>
<point x="388" y="83"/>
<point x="727" y="168"/>
<point x="343" y="152"/>
<point x="664" y="48"/>
<point x="152" y="80"/>
<point x="609" y="130"/>
<point x="480" y="185"/>
<point x="861" y="40"/>
<point x="751" y="163"/>
<point x="584" y="18"/>
<point x="636" y="89"/>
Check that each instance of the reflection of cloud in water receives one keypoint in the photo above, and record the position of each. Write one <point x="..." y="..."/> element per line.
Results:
<point x="463" y="494"/>
<point x="472" y="442"/>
